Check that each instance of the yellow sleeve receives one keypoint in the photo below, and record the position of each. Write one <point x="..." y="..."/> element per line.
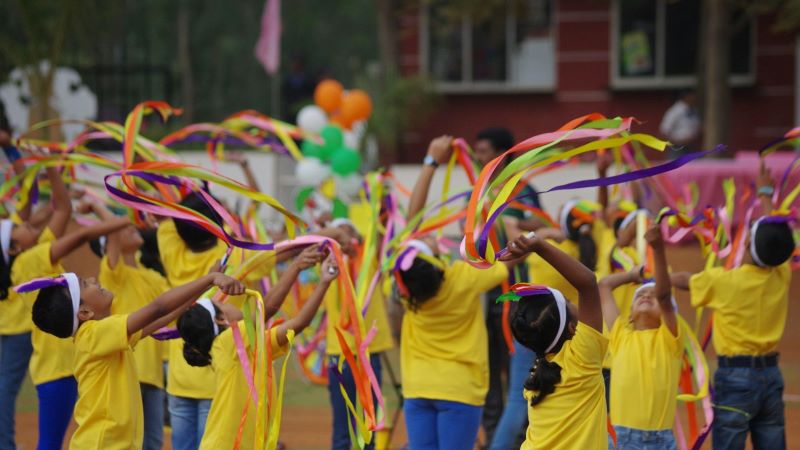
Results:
<point x="33" y="263"/>
<point x="106" y="336"/>
<point x="674" y="342"/>
<point x="482" y="279"/>
<point x="616" y="333"/>
<point x="701" y="286"/>
<point x="170" y="245"/>
<point x="276" y="350"/>
<point x="588" y="348"/>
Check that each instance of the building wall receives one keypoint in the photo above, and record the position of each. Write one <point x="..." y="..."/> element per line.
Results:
<point x="760" y="112"/>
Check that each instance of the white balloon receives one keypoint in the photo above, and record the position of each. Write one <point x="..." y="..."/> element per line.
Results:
<point x="312" y="119"/>
<point x="311" y="171"/>
<point x="351" y="140"/>
<point x="348" y="186"/>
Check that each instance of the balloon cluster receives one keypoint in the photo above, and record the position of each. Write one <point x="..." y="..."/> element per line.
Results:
<point x="339" y="118"/>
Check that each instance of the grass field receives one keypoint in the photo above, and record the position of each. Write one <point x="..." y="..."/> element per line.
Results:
<point x="307" y="419"/>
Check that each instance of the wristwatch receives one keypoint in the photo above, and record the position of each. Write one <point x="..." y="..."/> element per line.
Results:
<point x="429" y="161"/>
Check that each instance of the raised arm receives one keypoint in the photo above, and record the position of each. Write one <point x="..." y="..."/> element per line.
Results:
<point x="439" y="150"/>
<point x="607" y="286"/>
<point x="603" y="163"/>
<point x="680" y="280"/>
<point x="663" y="285"/>
<point x="575" y="273"/>
<point x="147" y="317"/>
<point x="62" y="204"/>
<point x="65" y="245"/>
<point x="306" y="314"/>
<point x="275" y="297"/>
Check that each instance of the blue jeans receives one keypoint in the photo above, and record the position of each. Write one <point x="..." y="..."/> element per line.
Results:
<point x="441" y="424"/>
<point x="633" y="439"/>
<point x="153" y="408"/>
<point x="15" y="352"/>
<point x="188" y="420"/>
<point x="341" y="435"/>
<point x="748" y="399"/>
<point x="515" y="415"/>
<point x="56" y="403"/>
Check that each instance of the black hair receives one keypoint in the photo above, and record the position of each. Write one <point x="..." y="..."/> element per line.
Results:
<point x="52" y="311"/>
<point x="774" y="243"/>
<point x="422" y="280"/>
<point x="587" y="248"/>
<point x="535" y="324"/>
<point x="97" y="248"/>
<point x="197" y="331"/>
<point x="617" y="225"/>
<point x="196" y="238"/>
<point x="150" y="256"/>
<point x="5" y="276"/>
<point x="501" y="138"/>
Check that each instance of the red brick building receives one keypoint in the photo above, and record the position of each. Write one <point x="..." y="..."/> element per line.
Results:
<point x="531" y="65"/>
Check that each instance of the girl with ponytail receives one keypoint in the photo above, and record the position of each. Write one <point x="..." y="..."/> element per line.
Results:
<point x="208" y="341"/>
<point x="565" y="390"/>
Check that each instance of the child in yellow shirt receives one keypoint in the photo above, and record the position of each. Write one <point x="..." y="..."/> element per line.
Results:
<point x="109" y="407"/>
<point x="566" y="392"/>
<point x="646" y="350"/>
<point x="208" y="338"/>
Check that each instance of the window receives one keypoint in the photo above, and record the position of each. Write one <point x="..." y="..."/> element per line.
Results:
<point x="655" y="44"/>
<point x="503" y="45"/>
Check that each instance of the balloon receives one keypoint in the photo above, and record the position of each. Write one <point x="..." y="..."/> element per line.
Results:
<point x="351" y="139"/>
<point x="328" y="95"/>
<point x="344" y="122"/>
<point x="356" y="105"/>
<point x="311" y="171"/>
<point x="312" y="149"/>
<point x="332" y="135"/>
<point x="345" y="161"/>
<point x="312" y="118"/>
<point x="348" y="186"/>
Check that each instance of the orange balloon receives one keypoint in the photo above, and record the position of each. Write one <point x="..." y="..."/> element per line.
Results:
<point x="342" y="120"/>
<point x="356" y="105"/>
<point x="328" y="95"/>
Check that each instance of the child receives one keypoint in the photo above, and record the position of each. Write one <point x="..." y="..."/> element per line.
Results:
<point x="209" y="341"/>
<point x="565" y="389"/>
<point x="443" y="342"/>
<point x="646" y="355"/>
<point x="375" y="315"/>
<point x="750" y="304"/>
<point x="135" y="286"/>
<point x="109" y="407"/>
<point x="27" y="255"/>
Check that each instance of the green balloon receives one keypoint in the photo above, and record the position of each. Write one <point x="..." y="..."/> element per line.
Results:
<point x="310" y="148"/>
<point x="345" y="161"/>
<point x="333" y="137"/>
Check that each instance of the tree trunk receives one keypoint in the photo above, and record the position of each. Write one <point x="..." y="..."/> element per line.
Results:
<point x="717" y="90"/>
<point x="185" y="61"/>
<point x="40" y="83"/>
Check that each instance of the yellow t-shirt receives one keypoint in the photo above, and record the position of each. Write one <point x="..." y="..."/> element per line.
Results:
<point x="232" y="393"/>
<point x="15" y="311"/>
<point x="52" y="357"/>
<point x="543" y="273"/>
<point x="605" y="245"/>
<point x="133" y="288"/>
<point x="645" y="368"/>
<point x="183" y="266"/>
<point x="376" y="314"/>
<point x="443" y="344"/>
<point x="109" y="407"/>
<point x="750" y="304"/>
<point x="574" y="415"/>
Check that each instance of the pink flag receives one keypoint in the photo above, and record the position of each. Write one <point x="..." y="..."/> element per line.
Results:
<point x="268" y="48"/>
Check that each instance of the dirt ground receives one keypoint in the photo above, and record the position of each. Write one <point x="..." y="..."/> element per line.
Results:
<point x="307" y="420"/>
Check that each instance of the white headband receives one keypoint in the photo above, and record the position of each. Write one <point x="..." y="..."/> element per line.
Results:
<point x="341" y="221"/>
<point x="206" y="303"/>
<point x="5" y="238"/>
<point x="561" y="303"/>
<point x="631" y="217"/>
<point x="565" y="215"/>
<point x="74" y="285"/>
<point x="421" y="246"/>
<point x="753" y="252"/>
